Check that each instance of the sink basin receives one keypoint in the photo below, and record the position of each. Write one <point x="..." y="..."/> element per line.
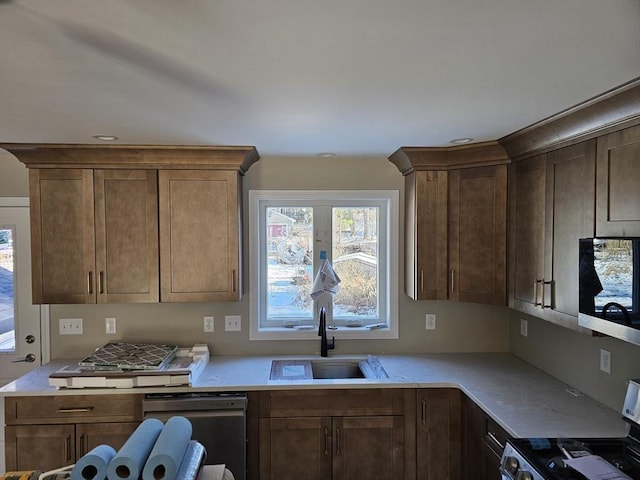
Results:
<point x="327" y="369"/>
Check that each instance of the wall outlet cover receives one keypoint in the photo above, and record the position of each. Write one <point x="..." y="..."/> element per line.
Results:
<point x="209" y="324"/>
<point x="605" y="361"/>
<point x="430" y="319"/>
<point x="232" y="323"/>
<point x="524" y="327"/>
<point x="110" y="326"/>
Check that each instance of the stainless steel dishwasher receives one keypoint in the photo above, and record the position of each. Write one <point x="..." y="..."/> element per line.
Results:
<point x="218" y="420"/>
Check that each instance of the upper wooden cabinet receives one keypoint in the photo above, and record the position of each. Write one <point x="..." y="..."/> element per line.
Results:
<point x="618" y="189"/>
<point x="478" y="235"/>
<point x="124" y="224"/>
<point x="455" y="222"/>
<point x="200" y="235"/>
<point x="94" y="235"/>
<point x="526" y="232"/>
<point x="552" y="206"/>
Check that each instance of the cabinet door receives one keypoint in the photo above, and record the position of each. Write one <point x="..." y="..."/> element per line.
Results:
<point x="39" y="447"/>
<point x="295" y="448"/>
<point x="477" y="234"/>
<point x="368" y="448"/>
<point x="527" y="224"/>
<point x="426" y="235"/>
<point x="90" y="435"/>
<point x="618" y="202"/>
<point x="570" y="216"/>
<point x="438" y="435"/>
<point x="126" y="225"/>
<point x="62" y="235"/>
<point x="199" y="235"/>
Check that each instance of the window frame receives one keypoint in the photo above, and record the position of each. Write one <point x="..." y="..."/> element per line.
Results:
<point x="387" y="200"/>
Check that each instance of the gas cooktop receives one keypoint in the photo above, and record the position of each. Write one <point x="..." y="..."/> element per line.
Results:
<point x="557" y="458"/>
<point x="547" y="458"/>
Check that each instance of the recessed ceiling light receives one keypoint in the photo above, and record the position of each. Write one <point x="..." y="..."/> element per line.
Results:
<point x="105" y="138"/>
<point x="460" y="141"/>
<point x="327" y="154"/>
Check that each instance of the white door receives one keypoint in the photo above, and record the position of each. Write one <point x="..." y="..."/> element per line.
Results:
<point x="20" y="332"/>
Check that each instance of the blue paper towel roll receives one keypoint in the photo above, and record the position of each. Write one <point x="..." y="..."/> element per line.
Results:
<point x="194" y="457"/>
<point x="93" y="465"/>
<point x="130" y="459"/>
<point x="168" y="452"/>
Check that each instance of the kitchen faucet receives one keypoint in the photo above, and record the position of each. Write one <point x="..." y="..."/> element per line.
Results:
<point x="325" y="346"/>
<point x="623" y="310"/>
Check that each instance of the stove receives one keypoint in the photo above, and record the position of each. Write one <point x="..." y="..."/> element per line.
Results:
<point x="546" y="458"/>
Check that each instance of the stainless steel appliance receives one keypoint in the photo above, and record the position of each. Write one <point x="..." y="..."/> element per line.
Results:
<point x="609" y="287"/>
<point x="218" y="420"/>
<point x="544" y="458"/>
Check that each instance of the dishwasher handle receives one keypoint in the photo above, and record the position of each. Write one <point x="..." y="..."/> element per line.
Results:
<point x="165" y="415"/>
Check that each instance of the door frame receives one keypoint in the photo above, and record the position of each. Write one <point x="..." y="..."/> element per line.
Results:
<point x="45" y="327"/>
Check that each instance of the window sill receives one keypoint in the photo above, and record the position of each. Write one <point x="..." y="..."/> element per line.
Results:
<point x="341" y="333"/>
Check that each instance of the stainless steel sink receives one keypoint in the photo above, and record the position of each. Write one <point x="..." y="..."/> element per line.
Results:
<point x="327" y="369"/>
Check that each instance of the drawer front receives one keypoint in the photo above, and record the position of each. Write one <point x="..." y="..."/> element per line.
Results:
<point x="57" y="409"/>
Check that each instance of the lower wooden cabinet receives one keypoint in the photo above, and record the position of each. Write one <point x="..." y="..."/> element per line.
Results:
<point x="482" y="443"/>
<point x="438" y="434"/>
<point x="332" y="447"/>
<point x="338" y="434"/>
<point x="48" y="432"/>
<point x="46" y="447"/>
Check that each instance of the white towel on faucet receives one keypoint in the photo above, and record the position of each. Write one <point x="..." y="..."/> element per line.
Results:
<point x="326" y="281"/>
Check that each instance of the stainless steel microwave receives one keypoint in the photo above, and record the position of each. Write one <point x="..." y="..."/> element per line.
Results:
<point x="609" y="287"/>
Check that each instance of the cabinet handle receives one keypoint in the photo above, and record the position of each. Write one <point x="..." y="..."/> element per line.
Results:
<point x="492" y="436"/>
<point x="233" y="281"/>
<point x="67" y="448"/>
<point x="544" y="305"/>
<point x="422" y="280"/>
<point x="536" y="303"/>
<point x="453" y="279"/>
<point x="75" y="410"/>
<point x="337" y="441"/>
<point x="82" y="445"/>
<point x="326" y="442"/>
<point x="101" y="283"/>
<point x="90" y="283"/>
<point x="424" y="412"/>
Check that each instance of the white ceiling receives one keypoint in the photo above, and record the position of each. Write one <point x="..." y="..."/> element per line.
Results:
<point x="299" y="77"/>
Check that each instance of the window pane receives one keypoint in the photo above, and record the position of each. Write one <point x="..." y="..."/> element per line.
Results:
<point x="7" y="307"/>
<point x="289" y="262"/>
<point x="355" y="260"/>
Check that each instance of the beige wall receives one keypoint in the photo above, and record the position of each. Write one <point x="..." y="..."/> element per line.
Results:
<point x="574" y="358"/>
<point x="14" y="178"/>
<point x="460" y="327"/>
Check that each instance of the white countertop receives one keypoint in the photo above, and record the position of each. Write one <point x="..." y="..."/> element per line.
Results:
<point x="525" y="401"/>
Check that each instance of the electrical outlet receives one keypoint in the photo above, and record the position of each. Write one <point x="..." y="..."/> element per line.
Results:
<point x="110" y="326"/>
<point x="524" y="328"/>
<point x="232" y="323"/>
<point x="605" y="360"/>
<point x="208" y="324"/>
<point x="70" y="326"/>
<point x="430" y="321"/>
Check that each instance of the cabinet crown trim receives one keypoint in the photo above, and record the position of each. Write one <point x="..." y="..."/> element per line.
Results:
<point x="44" y="155"/>
<point x="410" y="159"/>
<point x="613" y="110"/>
